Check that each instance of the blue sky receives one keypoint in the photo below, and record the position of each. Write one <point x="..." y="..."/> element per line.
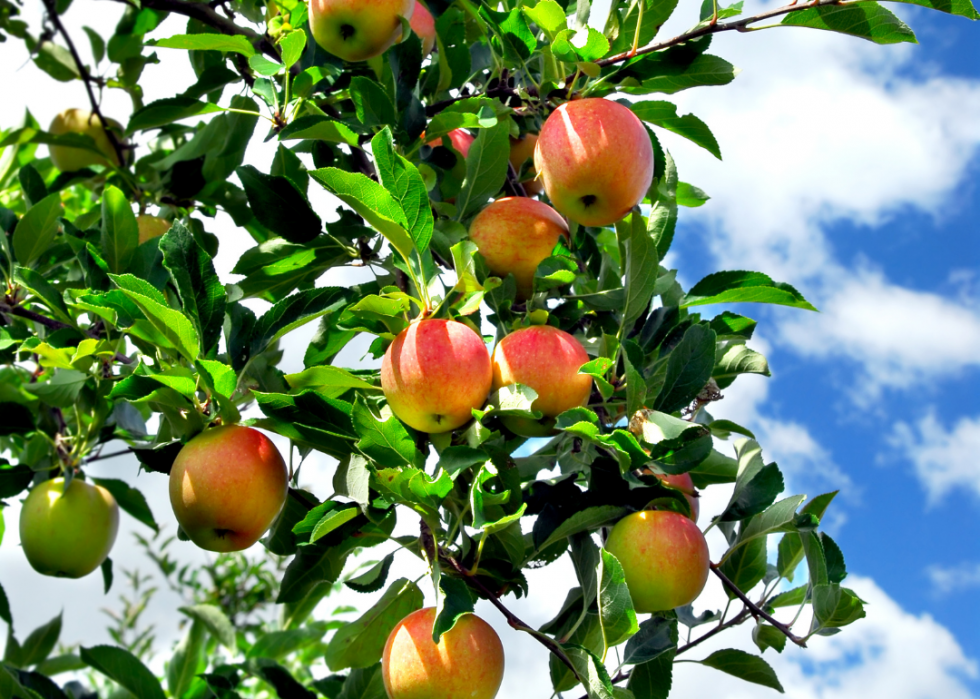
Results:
<point x="850" y="171"/>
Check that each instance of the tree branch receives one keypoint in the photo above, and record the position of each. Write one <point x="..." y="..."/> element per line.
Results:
<point x="52" y="324"/>
<point x="52" y="12"/>
<point x="755" y="610"/>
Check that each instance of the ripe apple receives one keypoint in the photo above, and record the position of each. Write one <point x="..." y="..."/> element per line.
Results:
<point x="467" y="662"/>
<point x="83" y="122"/>
<point x="227" y="486"/>
<point x="546" y="359"/>
<point x="520" y="150"/>
<point x="664" y="556"/>
<point x="435" y="373"/>
<point x="68" y="532"/>
<point x="683" y="483"/>
<point x="460" y="140"/>
<point x="151" y="227"/>
<point x="424" y="25"/>
<point x="595" y="160"/>
<point x="355" y="30"/>
<point x="514" y="235"/>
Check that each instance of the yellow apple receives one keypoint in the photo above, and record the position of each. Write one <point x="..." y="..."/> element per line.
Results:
<point x="595" y="160"/>
<point x="664" y="557"/>
<point x="227" y="486"/>
<point x="435" y="373"/>
<point x="355" y="30"/>
<point x="68" y="532"/>
<point x="522" y="150"/>
<point x="514" y="235"/>
<point x="467" y="663"/>
<point x="424" y="25"/>
<point x="83" y="122"/>
<point x="151" y="227"/>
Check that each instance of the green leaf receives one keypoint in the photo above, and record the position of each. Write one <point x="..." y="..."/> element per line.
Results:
<point x="384" y="441"/>
<point x="585" y="520"/>
<point x="360" y="643"/>
<point x="125" y="669"/>
<point x="776" y="518"/>
<point x="297" y="310"/>
<point x="364" y="683"/>
<point x="486" y="169"/>
<point x="655" y="637"/>
<point x="166" y="111"/>
<point x="373" y="579"/>
<point x="548" y="15"/>
<point x="963" y="8"/>
<point x="292" y="46"/>
<point x="207" y="42"/>
<point x="735" y="360"/>
<point x="746" y="666"/>
<point x="757" y="485"/>
<point x="642" y="261"/>
<point x="279" y="205"/>
<point x="331" y="521"/>
<point x="592" y="672"/>
<point x="130" y="500"/>
<point x="372" y="104"/>
<point x="404" y="183"/>
<point x="173" y="325"/>
<point x="835" y="606"/>
<point x="790" y="546"/>
<point x="745" y="565"/>
<point x="44" y="291"/>
<point x="318" y="128"/>
<point x="616" y="613"/>
<point x="216" y="623"/>
<point x="309" y="419"/>
<point x="263" y="66"/>
<point x="866" y="20"/>
<point x="743" y="287"/>
<point x="97" y="42"/>
<point x="456" y="459"/>
<point x="40" y="642"/>
<point x="276" y="645"/>
<point x="201" y="294"/>
<point x="585" y="44"/>
<point x="677" y="69"/>
<point x="454" y="600"/>
<point x="652" y="680"/>
<point x="664" y="115"/>
<point x="691" y="196"/>
<point x="328" y="380"/>
<point x="766" y="636"/>
<point x="37" y="229"/>
<point x="689" y="366"/>
<point x="31" y="184"/>
<point x="413" y="487"/>
<point x="187" y="660"/>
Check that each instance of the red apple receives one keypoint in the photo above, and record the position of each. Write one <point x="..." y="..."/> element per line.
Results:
<point x="424" y="25"/>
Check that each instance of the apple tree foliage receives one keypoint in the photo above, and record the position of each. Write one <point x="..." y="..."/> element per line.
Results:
<point x="105" y="340"/>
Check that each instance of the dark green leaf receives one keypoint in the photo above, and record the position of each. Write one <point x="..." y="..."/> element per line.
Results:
<point x="486" y="168"/>
<point x="123" y="667"/>
<point x="37" y="229"/>
<point x="455" y="599"/>
<point x="664" y="115"/>
<point x="689" y="366"/>
<point x="746" y="666"/>
<point x="866" y="20"/>
<point x="655" y="637"/>
<point x="744" y="287"/>
<point x="279" y="205"/>
<point x="130" y="500"/>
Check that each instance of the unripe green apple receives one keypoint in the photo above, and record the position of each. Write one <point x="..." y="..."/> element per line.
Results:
<point x="595" y="160"/>
<point x="151" y="227"/>
<point x="435" y="373"/>
<point x="355" y="30"/>
<point x="227" y="486"/>
<point x="467" y="663"/>
<point x="68" y="532"/>
<point x="424" y="25"/>
<point x="664" y="557"/>
<point x="521" y="150"/>
<point x="546" y="359"/>
<point x="83" y="122"/>
<point x="514" y="235"/>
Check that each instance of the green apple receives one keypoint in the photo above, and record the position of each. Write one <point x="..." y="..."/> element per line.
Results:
<point x="595" y="160"/>
<point x="355" y="30"/>
<point x="227" y="486"/>
<point x="664" y="557"/>
<point x="467" y="662"/>
<point x="68" y="532"/>
<point x="83" y="122"/>
<point x="435" y="373"/>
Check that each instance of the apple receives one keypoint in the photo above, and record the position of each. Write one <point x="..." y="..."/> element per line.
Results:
<point x="595" y="160"/>
<point x="424" y="25"/>
<point x="546" y="359"/>
<point x="683" y="483"/>
<point x="68" y="532"/>
<point x="356" y="31"/>
<point x="467" y="662"/>
<point x="227" y="486"/>
<point x="514" y="234"/>
<point x="460" y="140"/>
<point x="664" y="557"/>
<point x="151" y="227"/>
<point x="435" y="373"/>
<point x="83" y="122"/>
<point x="521" y="150"/>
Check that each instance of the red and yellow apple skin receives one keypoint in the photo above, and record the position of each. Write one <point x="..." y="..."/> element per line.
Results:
<point x="424" y="25"/>
<point x="356" y="30"/>
<point x="227" y="486"/>
<point x="514" y="235"/>
<point x="595" y="160"/>
<point x="664" y="557"/>
<point x="151" y="227"/>
<point x="81" y="121"/>
<point x="521" y="150"/>
<point x="460" y="140"/>
<point x="546" y="359"/>
<point x="435" y="373"/>
<point x="467" y="663"/>
<point x="68" y="533"/>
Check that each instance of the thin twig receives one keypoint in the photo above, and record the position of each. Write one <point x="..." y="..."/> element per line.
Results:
<point x="53" y="324"/>
<point x="110" y="455"/>
<point x="512" y="185"/>
<point x="756" y="610"/>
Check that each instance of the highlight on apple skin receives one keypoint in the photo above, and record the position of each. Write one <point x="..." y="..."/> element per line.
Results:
<point x="82" y="121"/>
<point x="435" y="373"/>
<point x="514" y="235"/>
<point x="424" y="25"/>
<point x="467" y="663"/>
<point x="546" y="359"/>
<point x="664" y="557"/>
<point x="68" y="532"/>
<point x="595" y="160"/>
<point x="227" y="486"/>
<point x="356" y="30"/>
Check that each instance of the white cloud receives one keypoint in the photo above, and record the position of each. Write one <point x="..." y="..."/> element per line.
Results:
<point x="954" y="578"/>
<point x="943" y="455"/>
